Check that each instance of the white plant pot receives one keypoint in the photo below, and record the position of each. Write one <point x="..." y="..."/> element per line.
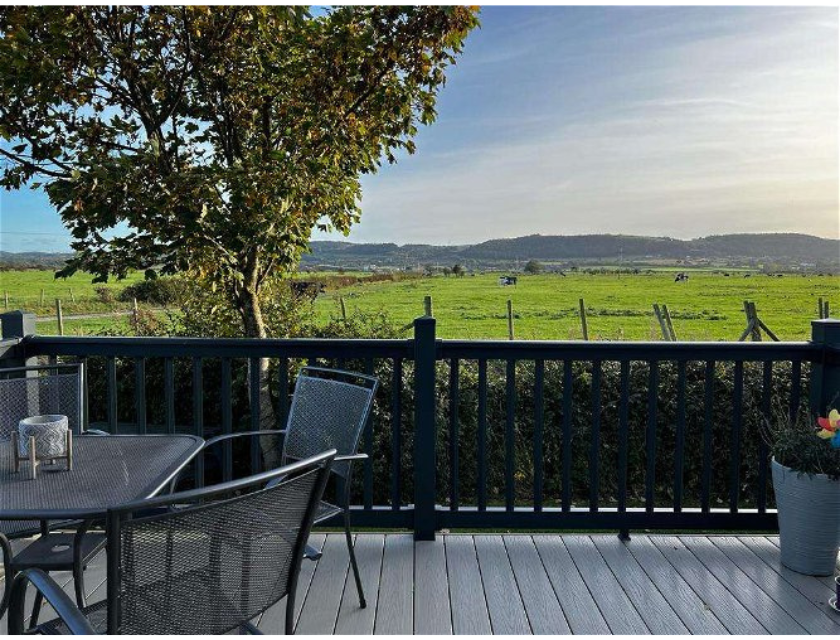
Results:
<point x="809" y="520"/>
<point x="50" y="433"/>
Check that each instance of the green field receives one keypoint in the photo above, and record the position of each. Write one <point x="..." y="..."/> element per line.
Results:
<point x="707" y="307"/>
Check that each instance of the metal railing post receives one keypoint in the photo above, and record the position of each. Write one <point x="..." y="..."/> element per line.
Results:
<point x="425" y="481"/>
<point x="18" y="325"/>
<point x="825" y="374"/>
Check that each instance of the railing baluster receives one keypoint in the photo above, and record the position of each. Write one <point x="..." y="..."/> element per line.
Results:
<point x="140" y="395"/>
<point x="763" y="453"/>
<point x="111" y="366"/>
<point x="679" y="460"/>
<point x="453" y="434"/>
<point x="735" y="445"/>
<point x="283" y="392"/>
<point x="368" y="497"/>
<point x="708" y="408"/>
<point x="254" y="401"/>
<point x="795" y="387"/>
<point x="83" y="361"/>
<point x="482" y="434"/>
<point x="567" y="436"/>
<point x="539" y="419"/>
<point x="623" y="436"/>
<point x="396" y="435"/>
<point x="595" y="445"/>
<point x="227" y="420"/>
<point x="510" y="410"/>
<point x="198" y="415"/>
<point x="650" y="473"/>
<point x="169" y="393"/>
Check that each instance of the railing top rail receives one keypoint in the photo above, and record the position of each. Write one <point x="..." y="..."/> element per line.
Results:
<point x="9" y="347"/>
<point x="216" y="347"/>
<point x="584" y="350"/>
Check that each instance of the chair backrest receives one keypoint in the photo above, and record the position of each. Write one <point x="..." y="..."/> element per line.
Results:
<point x="216" y="557"/>
<point x="40" y="390"/>
<point x="329" y="410"/>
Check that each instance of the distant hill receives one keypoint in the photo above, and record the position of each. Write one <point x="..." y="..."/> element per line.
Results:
<point x="782" y="249"/>
<point x="777" y="248"/>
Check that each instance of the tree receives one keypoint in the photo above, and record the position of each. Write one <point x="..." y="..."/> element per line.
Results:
<point x="533" y="267"/>
<point x="458" y="270"/>
<point x="213" y="140"/>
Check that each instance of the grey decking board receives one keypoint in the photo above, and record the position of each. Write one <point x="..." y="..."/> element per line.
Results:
<point x="395" y="609"/>
<point x="545" y="615"/>
<point x="772" y="616"/>
<point x="615" y="606"/>
<point x="652" y="606"/>
<point x="811" y="618"/>
<point x="469" y="606"/>
<point x="814" y="590"/>
<point x="320" y="611"/>
<point x="582" y="612"/>
<point x="273" y="621"/>
<point x="723" y="604"/>
<point x="507" y="612"/>
<point x="432" y="608"/>
<point x="694" y="613"/>
<point x="352" y="619"/>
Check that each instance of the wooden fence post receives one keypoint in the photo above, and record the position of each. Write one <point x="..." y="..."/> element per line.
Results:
<point x="135" y="313"/>
<point x="668" y="322"/>
<point x="72" y="295"/>
<point x="343" y="308"/>
<point x="427" y="307"/>
<point x="6" y="300"/>
<point x="583" y="319"/>
<point x="661" y="320"/>
<point x="59" y="316"/>
<point x="43" y="292"/>
<point x="425" y="356"/>
<point x="510" y="318"/>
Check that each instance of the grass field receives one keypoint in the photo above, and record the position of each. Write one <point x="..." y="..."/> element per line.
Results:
<point x="707" y="307"/>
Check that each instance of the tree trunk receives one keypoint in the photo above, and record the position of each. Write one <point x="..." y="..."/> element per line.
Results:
<point x="255" y="328"/>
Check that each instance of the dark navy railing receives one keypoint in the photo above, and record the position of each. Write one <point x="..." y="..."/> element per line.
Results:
<point x="452" y="406"/>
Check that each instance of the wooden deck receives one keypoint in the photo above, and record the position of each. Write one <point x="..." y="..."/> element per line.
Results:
<point x="520" y="584"/>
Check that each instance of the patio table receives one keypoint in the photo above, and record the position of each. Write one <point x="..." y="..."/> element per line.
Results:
<point x="108" y="471"/>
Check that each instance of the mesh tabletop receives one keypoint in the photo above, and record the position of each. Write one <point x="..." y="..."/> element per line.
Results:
<point x="108" y="471"/>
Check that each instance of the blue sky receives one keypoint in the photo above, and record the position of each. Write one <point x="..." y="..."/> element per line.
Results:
<point x="649" y="120"/>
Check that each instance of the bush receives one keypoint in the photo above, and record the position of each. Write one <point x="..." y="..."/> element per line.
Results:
<point x="105" y="294"/>
<point x="163" y="291"/>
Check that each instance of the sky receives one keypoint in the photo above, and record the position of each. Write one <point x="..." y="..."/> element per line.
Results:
<point x="666" y="121"/>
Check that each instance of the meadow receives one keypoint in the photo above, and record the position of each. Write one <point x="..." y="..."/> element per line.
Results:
<point x="619" y="307"/>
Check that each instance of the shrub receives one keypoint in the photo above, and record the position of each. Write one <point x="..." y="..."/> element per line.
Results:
<point x="163" y="291"/>
<point x="794" y="443"/>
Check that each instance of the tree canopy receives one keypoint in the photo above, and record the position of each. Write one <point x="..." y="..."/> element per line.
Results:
<point x="213" y="139"/>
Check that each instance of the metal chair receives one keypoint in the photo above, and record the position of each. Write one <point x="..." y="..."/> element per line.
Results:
<point x="330" y="408"/>
<point x="209" y="563"/>
<point x="36" y="390"/>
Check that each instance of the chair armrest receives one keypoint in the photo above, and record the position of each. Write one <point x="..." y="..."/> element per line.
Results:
<point x="53" y="594"/>
<point x="242" y="434"/>
<point x="355" y="456"/>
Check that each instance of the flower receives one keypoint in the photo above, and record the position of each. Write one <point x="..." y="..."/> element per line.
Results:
<point x="830" y="428"/>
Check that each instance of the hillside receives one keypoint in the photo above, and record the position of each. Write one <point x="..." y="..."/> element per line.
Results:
<point x="779" y="249"/>
<point x="788" y="249"/>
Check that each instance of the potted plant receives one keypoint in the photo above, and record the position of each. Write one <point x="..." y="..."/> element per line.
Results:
<point x="806" y="481"/>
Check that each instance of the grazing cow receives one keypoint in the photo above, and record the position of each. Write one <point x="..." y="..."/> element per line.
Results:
<point x="682" y="276"/>
<point x="506" y="281"/>
<point x="306" y="288"/>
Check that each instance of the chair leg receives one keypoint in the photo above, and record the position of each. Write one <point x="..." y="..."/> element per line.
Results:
<point x="79" y="585"/>
<point x="353" y="563"/>
<point x="36" y="610"/>
<point x="7" y="592"/>
<point x="290" y="613"/>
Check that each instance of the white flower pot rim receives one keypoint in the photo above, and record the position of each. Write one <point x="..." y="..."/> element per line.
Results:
<point x="45" y="419"/>
<point x="821" y="476"/>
